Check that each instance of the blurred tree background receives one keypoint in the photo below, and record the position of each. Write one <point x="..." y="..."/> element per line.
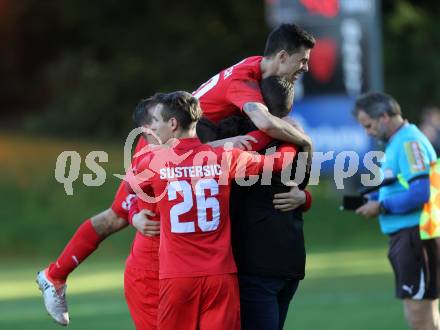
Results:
<point x="411" y="44"/>
<point x="78" y="67"/>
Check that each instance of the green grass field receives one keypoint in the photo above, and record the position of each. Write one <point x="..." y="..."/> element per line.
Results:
<point x="343" y="290"/>
<point x="348" y="284"/>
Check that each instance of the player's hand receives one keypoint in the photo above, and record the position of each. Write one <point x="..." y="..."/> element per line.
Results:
<point x="243" y="142"/>
<point x="144" y="225"/>
<point x="290" y="200"/>
<point x="369" y="210"/>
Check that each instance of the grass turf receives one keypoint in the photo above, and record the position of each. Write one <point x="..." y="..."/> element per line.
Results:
<point x="343" y="290"/>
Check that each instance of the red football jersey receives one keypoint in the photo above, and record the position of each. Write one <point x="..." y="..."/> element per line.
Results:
<point x="144" y="253"/>
<point x="142" y="142"/>
<point x="122" y="200"/>
<point x="192" y="190"/>
<point x="144" y="250"/>
<point x="226" y="93"/>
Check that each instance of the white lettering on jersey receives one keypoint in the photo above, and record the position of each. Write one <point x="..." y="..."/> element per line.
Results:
<point x="203" y="204"/>
<point x="207" y="86"/>
<point x="190" y="171"/>
<point x="229" y="70"/>
<point x="126" y="204"/>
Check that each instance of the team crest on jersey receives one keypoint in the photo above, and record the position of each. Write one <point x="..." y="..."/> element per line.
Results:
<point x="415" y="157"/>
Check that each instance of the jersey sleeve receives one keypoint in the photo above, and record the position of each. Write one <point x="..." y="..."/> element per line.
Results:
<point x="134" y="209"/>
<point x="243" y="91"/>
<point x="308" y="204"/>
<point x="409" y="200"/>
<point x="245" y="163"/>
<point x="413" y="160"/>
<point x="285" y="148"/>
<point x="262" y="138"/>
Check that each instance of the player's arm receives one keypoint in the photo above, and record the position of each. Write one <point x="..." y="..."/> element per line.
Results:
<point x="274" y="126"/>
<point x="246" y="163"/>
<point x="411" y="199"/>
<point x="107" y="223"/>
<point x="243" y="142"/>
<point x="279" y="129"/>
<point x="254" y="140"/>
<point x="245" y="94"/>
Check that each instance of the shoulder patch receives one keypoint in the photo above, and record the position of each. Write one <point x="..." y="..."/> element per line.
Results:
<point x="415" y="156"/>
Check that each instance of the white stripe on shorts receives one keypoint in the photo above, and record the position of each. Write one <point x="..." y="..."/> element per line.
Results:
<point x="421" y="292"/>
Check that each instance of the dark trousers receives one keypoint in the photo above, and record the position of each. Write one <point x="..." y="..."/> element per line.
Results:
<point x="264" y="301"/>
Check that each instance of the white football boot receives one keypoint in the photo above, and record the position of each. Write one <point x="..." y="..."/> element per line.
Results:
<point x="54" y="298"/>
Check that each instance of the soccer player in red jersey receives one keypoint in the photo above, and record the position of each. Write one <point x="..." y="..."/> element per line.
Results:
<point x="87" y="238"/>
<point x="286" y="54"/>
<point x="141" y="275"/>
<point x="236" y="89"/>
<point x="198" y="284"/>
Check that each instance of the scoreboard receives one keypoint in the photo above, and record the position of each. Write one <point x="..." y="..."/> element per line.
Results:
<point x="345" y="62"/>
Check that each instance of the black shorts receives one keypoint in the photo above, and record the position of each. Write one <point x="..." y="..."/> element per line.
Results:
<point x="416" y="264"/>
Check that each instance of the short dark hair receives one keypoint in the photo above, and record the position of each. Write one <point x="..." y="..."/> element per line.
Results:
<point x="182" y="106"/>
<point x="289" y="37"/>
<point x="375" y="104"/>
<point x="141" y="114"/>
<point x="206" y="130"/>
<point x="278" y="95"/>
<point x="235" y="125"/>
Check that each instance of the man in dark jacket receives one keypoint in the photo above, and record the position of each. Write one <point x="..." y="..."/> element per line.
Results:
<point x="268" y="243"/>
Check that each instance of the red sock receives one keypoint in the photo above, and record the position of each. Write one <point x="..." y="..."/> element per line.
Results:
<point x="83" y="243"/>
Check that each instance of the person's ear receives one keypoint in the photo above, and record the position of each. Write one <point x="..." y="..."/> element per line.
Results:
<point x="282" y="56"/>
<point x="173" y="124"/>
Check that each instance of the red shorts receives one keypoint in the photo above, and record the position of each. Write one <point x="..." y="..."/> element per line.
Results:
<point x="199" y="303"/>
<point x="141" y="288"/>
